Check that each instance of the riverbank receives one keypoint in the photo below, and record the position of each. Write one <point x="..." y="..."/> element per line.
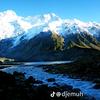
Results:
<point x="87" y="70"/>
<point x="17" y="87"/>
<point x="56" y="80"/>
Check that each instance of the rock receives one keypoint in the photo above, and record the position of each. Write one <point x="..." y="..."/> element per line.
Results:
<point x="10" y="90"/>
<point x="55" y="84"/>
<point x="38" y="82"/>
<point x="97" y="86"/>
<point x="68" y="87"/>
<point x="19" y="75"/>
<point x="76" y="90"/>
<point x="51" y="80"/>
<point x="6" y="78"/>
<point x="31" y="80"/>
<point x="1" y="62"/>
<point x="1" y="90"/>
<point x="96" y="81"/>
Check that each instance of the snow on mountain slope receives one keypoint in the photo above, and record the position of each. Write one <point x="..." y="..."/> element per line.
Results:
<point x="12" y="25"/>
<point x="9" y="22"/>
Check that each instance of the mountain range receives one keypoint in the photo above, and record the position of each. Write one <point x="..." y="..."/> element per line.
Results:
<point x="46" y="37"/>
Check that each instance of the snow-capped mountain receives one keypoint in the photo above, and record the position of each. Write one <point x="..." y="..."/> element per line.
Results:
<point x="12" y="25"/>
<point x="42" y="36"/>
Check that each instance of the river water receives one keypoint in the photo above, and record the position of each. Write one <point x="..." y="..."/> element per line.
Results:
<point x="37" y="72"/>
<point x="46" y="63"/>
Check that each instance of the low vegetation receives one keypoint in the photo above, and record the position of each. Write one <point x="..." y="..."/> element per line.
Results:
<point x="84" y="41"/>
<point x="85" y="67"/>
<point x="58" y="41"/>
<point x="5" y="60"/>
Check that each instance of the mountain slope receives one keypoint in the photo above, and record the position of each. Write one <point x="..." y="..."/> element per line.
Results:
<point x="11" y="25"/>
<point x="84" y="40"/>
<point x="45" y="37"/>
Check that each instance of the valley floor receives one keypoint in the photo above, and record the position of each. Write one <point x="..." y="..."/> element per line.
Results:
<point x="64" y="83"/>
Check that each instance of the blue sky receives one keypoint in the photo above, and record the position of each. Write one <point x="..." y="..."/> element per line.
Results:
<point x="85" y="10"/>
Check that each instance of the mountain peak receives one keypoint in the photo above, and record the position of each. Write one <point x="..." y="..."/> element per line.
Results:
<point x="50" y="15"/>
<point x="8" y="15"/>
<point x="46" y="17"/>
<point x="9" y="12"/>
<point x="11" y="24"/>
